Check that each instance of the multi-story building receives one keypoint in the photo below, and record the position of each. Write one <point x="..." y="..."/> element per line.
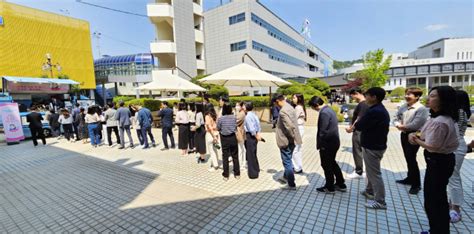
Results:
<point x="120" y="75"/>
<point x="247" y="26"/>
<point x="29" y="37"/>
<point x="447" y="61"/>
<point x="179" y="38"/>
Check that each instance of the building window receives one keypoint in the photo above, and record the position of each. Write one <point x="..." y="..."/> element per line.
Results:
<point x="389" y="82"/>
<point x="277" y="34"/>
<point x="236" y="18"/>
<point x="241" y="45"/>
<point x="400" y="82"/>
<point x="277" y="55"/>
<point x="458" y="55"/>
<point x="462" y="55"/>
<point x="422" y="81"/>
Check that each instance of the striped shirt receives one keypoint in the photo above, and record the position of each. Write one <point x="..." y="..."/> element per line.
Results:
<point x="462" y="123"/>
<point x="227" y="125"/>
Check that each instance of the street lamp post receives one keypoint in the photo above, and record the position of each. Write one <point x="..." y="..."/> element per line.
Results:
<point x="48" y="66"/>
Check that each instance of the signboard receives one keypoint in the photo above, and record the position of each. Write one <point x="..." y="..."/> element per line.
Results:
<point x="435" y="69"/>
<point x="398" y="72"/>
<point x="15" y="87"/>
<point x="11" y="122"/>
<point x="469" y="66"/>
<point x="410" y="70"/>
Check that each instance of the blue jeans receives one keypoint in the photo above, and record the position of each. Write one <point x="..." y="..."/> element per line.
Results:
<point x="145" y="131"/>
<point x="286" y="156"/>
<point x="94" y="133"/>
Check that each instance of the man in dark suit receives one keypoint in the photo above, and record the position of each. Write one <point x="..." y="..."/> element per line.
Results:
<point x="36" y="127"/>
<point x="166" y="115"/>
<point x="328" y="144"/>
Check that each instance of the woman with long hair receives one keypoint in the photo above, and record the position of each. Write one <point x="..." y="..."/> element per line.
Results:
<point x="182" y="120"/>
<point x="240" y="109"/>
<point x="439" y="137"/>
<point x="93" y="120"/>
<point x="212" y="138"/>
<point x="298" y="103"/>
<point x="455" y="190"/>
<point x="200" y="133"/>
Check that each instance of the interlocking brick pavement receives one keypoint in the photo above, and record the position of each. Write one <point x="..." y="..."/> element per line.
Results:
<point x="72" y="187"/>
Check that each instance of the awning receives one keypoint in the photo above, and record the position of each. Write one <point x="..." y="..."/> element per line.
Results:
<point x="39" y="80"/>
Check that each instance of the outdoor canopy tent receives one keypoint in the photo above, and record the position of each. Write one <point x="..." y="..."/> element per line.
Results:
<point x="244" y="75"/>
<point x="170" y="82"/>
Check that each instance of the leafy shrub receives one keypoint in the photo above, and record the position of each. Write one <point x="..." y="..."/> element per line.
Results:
<point x="151" y="104"/>
<point x="261" y="101"/>
<point x="395" y="100"/>
<point x="117" y="99"/>
<point x="339" y="115"/>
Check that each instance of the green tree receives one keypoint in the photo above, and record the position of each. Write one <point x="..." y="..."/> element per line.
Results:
<point x="374" y="69"/>
<point x="343" y="64"/>
<point x="320" y="85"/>
<point x="398" y="92"/>
<point x="295" y="87"/>
<point x="469" y="90"/>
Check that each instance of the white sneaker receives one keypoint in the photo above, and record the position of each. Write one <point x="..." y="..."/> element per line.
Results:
<point x="354" y="175"/>
<point x="212" y="169"/>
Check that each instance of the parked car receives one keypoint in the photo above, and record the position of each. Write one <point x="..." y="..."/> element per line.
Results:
<point x="26" y="130"/>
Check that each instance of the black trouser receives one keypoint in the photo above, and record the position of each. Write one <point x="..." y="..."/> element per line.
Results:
<point x="357" y="153"/>
<point x="167" y="131"/>
<point x="191" y="137"/>
<point x="140" y="136"/>
<point x="330" y="166"/>
<point x="68" y="131"/>
<point x="409" y="150"/>
<point x="109" y="134"/>
<point x="145" y="131"/>
<point x="439" y="168"/>
<point x="76" y="130"/>
<point x="230" y="149"/>
<point x="251" y="155"/>
<point x="37" y="133"/>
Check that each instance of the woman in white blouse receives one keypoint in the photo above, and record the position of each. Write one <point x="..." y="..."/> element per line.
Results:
<point x="182" y="120"/>
<point x="298" y="102"/>
<point x="439" y="137"/>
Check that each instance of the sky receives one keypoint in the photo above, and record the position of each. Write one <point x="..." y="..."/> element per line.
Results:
<point x="345" y="29"/>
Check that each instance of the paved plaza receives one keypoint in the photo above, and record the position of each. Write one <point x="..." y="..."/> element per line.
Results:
<point x="72" y="187"/>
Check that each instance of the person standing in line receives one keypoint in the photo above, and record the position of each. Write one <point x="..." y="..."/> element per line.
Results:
<point x="112" y="124"/>
<point x="207" y="103"/>
<point x="66" y="122"/>
<point x="192" y="123"/>
<point x="287" y="137"/>
<point x="227" y="127"/>
<point x="275" y="110"/>
<point x="53" y="119"/>
<point x="182" y="120"/>
<point x="212" y="138"/>
<point x="410" y="117"/>
<point x="222" y="101"/>
<point x="36" y="126"/>
<point x="82" y="126"/>
<point x="122" y="116"/>
<point x="93" y="120"/>
<point x="145" y="119"/>
<point x="252" y="136"/>
<point x="298" y="102"/>
<point x="240" y="111"/>
<point x="455" y="189"/>
<point x="75" y="116"/>
<point x="200" y="133"/>
<point x="328" y="143"/>
<point x="439" y="138"/>
<point x="136" y="124"/>
<point x="359" y="112"/>
<point x="374" y="128"/>
<point x="166" y="115"/>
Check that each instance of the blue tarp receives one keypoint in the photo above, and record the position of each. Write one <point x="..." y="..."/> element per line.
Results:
<point x="40" y="80"/>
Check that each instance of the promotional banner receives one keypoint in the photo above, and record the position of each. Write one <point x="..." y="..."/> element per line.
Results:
<point x="11" y="122"/>
<point x="14" y="87"/>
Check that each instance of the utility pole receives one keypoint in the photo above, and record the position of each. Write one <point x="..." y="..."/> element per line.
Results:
<point x="97" y="36"/>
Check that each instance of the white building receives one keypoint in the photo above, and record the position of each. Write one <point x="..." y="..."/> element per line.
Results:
<point x="179" y="38"/>
<point x="447" y="61"/>
<point x="247" y="26"/>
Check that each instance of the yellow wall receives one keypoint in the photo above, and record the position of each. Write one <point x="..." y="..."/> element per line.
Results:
<point x="29" y="34"/>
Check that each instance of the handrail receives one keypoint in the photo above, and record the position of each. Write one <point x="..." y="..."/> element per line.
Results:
<point x="253" y="60"/>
